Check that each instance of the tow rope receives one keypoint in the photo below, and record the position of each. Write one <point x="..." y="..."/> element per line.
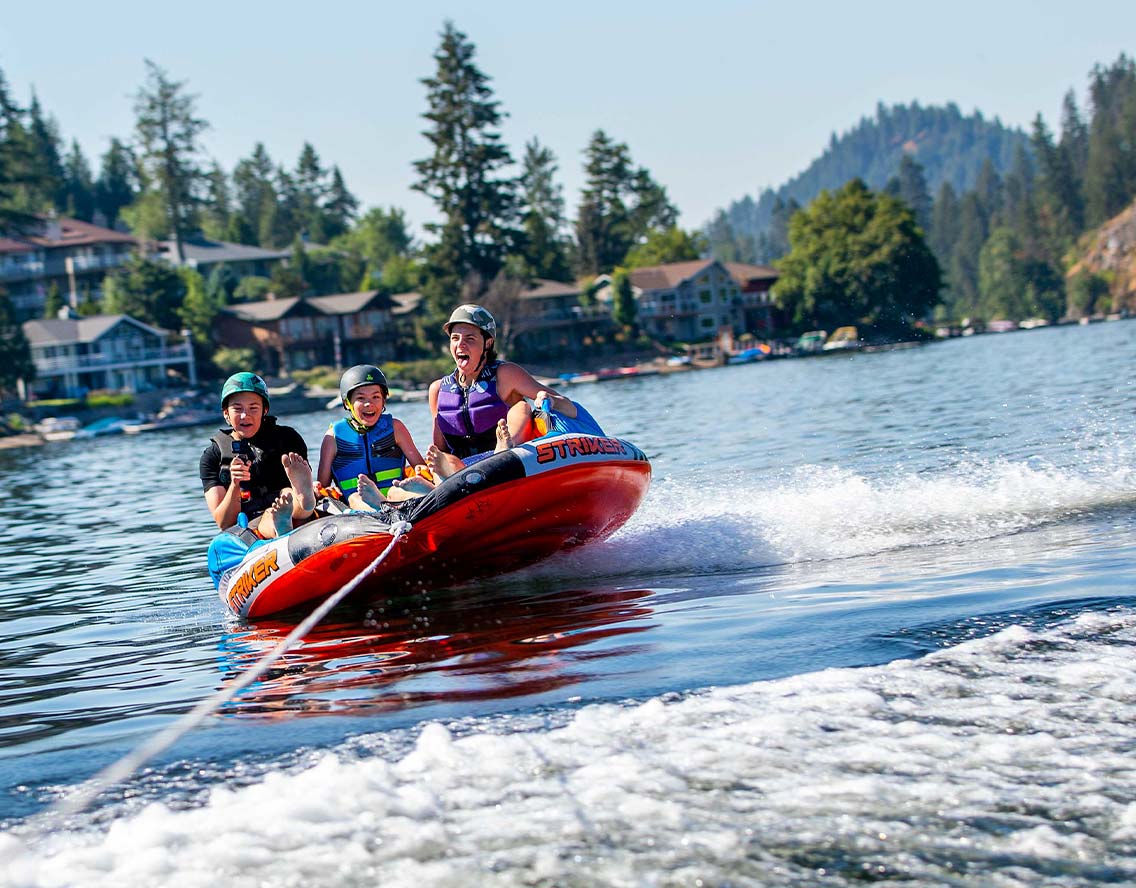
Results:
<point x="132" y="761"/>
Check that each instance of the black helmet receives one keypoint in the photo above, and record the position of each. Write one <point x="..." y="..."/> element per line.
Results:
<point x="472" y="314"/>
<point x="360" y="375"/>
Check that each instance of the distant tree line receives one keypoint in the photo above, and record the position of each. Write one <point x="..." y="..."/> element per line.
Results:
<point x="1004" y="243"/>
<point x="501" y="224"/>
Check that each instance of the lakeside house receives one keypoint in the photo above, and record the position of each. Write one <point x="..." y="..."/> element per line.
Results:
<point x="700" y="300"/>
<point x="75" y="355"/>
<point x="339" y="330"/>
<point x="547" y="321"/>
<point x="70" y="254"/>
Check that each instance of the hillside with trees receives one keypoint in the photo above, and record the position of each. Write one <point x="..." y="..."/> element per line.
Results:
<point x="950" y="147"/>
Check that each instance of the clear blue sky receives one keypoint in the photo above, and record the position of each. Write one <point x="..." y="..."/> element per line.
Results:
<point x="716" y="98"/>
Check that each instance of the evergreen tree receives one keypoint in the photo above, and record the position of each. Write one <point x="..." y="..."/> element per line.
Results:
<point x="542" y="220"/>
<point x="117" y="185"/>
<point x="773" y="243"/>
<point x="464" y="174"/>
<point x="47" y="190"/>
<point x="1013" y="285"/>
<point x="255" y="189"/>
<point x="199" y="307"/>
<point x="168" y="129"/>
<point x="380" y="236"/>
<point x="217" y="206"/>
<point x="1074" y="146"/>
<point x="340" y="207"/>
<point x="624" y="309"/>
<point x="944" y="230"/>
<point x="311" y="191"/>
<point x="1058" y="197"/>
<point x="148" y="291"/>
<point x="15" y="164"/>
<point x="1110" y="172"/>
<point x="857" y="258"/>
<point x="962" y="272"/>
<point x="15" y="352"/>
<point x="78" y="185"/>
<point x="910" y="186"/>
<point x="604" y="229"/>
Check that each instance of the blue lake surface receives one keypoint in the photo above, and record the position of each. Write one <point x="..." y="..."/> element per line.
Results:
<point x="873" y="622"/>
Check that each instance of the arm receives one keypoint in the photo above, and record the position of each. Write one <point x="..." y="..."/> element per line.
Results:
<point x="515" y="382"/>
<point x="328" y="449"/>
<point x="438" y="438"/>
<point x="225" y="502"/>
<point x="405" y="442"/>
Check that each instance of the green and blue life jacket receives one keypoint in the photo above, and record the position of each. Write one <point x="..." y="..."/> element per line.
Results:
<point x="373" y="452"/>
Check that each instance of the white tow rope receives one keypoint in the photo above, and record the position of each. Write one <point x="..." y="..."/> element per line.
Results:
<point x="129" y="763"/>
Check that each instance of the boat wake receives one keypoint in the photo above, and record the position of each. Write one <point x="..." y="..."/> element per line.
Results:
<point x="825" y="514"/>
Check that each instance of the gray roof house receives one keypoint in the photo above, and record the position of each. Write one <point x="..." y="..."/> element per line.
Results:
<point x="205" y="255"/>
<point x="115" y="352"/>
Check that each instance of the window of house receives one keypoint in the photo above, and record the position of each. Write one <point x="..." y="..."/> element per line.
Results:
<point x="707" y="323"/>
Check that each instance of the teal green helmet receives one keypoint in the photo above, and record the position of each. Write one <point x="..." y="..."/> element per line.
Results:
<point x="472" y="314"/>
<point x="244" y="382"/>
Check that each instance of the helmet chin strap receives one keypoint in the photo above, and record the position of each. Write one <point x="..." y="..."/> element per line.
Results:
<point x="353" y="419"/>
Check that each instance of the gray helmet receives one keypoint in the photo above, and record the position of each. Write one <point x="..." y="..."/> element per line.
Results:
<point x="472" y="314"/>
<point x="360" y="375"/>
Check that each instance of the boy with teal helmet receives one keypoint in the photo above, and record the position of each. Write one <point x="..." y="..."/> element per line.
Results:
<point x="367" y="453"/>
<point x="255" y="467"/>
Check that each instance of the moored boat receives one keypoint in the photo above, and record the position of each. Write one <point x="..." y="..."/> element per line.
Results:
<point x="572" y="486"/>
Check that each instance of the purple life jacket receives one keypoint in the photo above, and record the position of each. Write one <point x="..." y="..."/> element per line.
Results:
<point x="467" y="417"/>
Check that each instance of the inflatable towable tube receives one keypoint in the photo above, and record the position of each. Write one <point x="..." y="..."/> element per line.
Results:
<point x="568" y="487"/>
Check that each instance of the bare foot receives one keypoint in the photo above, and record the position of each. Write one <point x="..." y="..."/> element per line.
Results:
<point x="504" y="439"/>
<point x="369" y="492"/>
<point x="280" y="513"/>
<point x="442" y="464"/>
<point x="300" y="476"/>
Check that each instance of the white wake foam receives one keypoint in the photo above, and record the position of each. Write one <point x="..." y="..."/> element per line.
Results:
<point x="1004" y="761"/>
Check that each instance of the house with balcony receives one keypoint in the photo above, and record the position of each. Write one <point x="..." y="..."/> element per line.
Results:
<point x="310" y="331"/>
<point x="73" y="255"/>
<point x="700" y="300"/>
<point x="548" y="321"/>
<point x="75" y="355"/>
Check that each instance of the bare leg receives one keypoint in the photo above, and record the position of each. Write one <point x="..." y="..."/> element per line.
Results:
<point x="521" y="422"/>
<point x="303" y="488"/>
<point x="504" y="439"/>
<point x="369" y="492"/>
<point x="278" y="516"/>
<point x="442" y="464"/>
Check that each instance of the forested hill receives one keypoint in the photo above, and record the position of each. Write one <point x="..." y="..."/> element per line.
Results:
<point x="949" y="146"/>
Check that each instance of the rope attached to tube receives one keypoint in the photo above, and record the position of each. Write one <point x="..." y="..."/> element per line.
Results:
<point x="129" y="763"/>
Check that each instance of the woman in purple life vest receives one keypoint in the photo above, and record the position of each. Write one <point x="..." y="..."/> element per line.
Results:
<point x="480" y="407"/>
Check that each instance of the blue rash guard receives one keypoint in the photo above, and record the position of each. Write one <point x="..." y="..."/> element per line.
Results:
<point x="373" y="452"/>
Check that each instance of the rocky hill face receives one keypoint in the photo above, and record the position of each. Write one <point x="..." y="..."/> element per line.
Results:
<point x="1110" y="252"/>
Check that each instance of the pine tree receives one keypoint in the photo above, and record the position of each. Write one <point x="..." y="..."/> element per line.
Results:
<point x="464" y="175"/>
<point x="340" y="207"/>
<point x="1110" y="170"/>
<point x="47" y="190"/>
<point x="254" y="185"/>
<point x="311" y="191"/>
<point x="168" y="129"/>
<point x="78" y="185"/>
<point x="15" y="352"/>
<point x="117" y="185"/>
<point x="15" y="169"/>
<point x="542" y="220"/>
<point x="909" y="184"/>
<point x="603" y="221"/>
<point x="216" y="209"/>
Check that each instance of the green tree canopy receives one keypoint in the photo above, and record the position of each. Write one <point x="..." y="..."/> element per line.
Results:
<point x="168" y="129"/>
<point x="666" y="245"/>
<point x="545" y="247"/>
<point x="150" y="292"/>
<point x="857" y="257"/>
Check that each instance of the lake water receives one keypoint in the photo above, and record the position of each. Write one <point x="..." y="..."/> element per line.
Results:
<point x="874" y="622"/>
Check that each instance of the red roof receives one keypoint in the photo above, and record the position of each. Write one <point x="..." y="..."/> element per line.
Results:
<point x="72" y="233"/>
